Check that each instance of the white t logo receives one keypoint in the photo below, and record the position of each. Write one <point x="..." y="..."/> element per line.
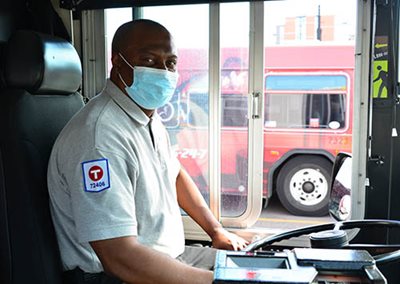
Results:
<point x="95" y="173"/>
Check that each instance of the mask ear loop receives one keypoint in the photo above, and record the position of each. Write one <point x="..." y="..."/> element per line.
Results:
<point x="123" y="81"/>
<point x="119" y="75"/>
<point x="123" y="58"/>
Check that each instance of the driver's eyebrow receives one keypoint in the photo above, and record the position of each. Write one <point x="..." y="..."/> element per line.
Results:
<point x="155" y="49"/>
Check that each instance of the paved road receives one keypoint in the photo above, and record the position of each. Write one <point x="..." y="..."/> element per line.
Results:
<point x="277" y="217"/>
<point x="274" y="220"/>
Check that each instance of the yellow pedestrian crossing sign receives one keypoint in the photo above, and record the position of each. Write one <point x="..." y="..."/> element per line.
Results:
<point x="380" y="82"/>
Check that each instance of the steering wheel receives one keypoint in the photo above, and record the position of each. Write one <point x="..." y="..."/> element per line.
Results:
<point x="360" y="224"/>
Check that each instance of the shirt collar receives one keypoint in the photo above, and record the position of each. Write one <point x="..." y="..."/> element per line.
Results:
<point x="126" y="103"/>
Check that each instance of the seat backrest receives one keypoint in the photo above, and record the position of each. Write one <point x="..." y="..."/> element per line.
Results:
<point x="2" y="46"/>
<point x="42" y="74"/>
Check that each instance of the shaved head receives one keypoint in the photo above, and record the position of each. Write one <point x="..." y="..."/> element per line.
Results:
<point x="128" y="33"/>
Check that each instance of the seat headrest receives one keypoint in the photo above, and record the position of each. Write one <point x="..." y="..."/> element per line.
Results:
<point x="41" y="63"/>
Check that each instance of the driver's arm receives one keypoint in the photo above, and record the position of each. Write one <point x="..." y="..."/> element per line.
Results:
<point x="132" y="262"/>
<point x="191" y="200"/>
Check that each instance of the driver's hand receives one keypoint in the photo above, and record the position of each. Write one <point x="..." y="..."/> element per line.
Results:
<point x="223" y="239"/>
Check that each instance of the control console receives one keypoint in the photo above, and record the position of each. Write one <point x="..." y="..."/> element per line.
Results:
<point x="300" y="265"/>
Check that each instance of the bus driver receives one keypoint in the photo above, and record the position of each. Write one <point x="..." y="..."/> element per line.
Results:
<point x="115" y="184"/>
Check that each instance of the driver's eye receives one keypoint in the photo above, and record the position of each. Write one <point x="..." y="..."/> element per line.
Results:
<point x="149" y="61"/>
<point x="172" y="69"/>
<point x="171" y="65"/>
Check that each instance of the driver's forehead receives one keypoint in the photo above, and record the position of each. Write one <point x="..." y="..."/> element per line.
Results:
<point x="153" y="41"/>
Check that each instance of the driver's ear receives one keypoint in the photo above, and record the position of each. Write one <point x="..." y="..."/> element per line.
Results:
<point x="115" y="60"/>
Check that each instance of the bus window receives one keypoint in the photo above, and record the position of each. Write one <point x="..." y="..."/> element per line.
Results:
<point x="325" y="111"/>
<point x="114" y="18"/>
<point x="234" y="34"/>
<point x="284" y="111"/>
<point x="306" y="101"/>
<point x="307" y="105"/>
<point x="192" y="101"/>
<point x="197" y="110"/>
<point x="186" y="115"/>
<point x="234" y="110"/>
<point x="308" y="98"/>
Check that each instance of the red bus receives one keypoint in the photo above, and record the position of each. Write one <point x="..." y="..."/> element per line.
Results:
<point x="307" y="120"/>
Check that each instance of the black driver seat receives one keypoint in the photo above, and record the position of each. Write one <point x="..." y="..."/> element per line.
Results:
<point x="42" y="74"/>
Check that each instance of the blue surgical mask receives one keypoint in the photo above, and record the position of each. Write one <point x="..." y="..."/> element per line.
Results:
<point x="151" y="88"/>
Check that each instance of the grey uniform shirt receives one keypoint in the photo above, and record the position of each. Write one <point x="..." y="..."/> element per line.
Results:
<point x="108" y="179"/>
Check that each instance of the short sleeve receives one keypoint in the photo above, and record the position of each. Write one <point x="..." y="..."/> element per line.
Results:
<point x="102" y="196"/>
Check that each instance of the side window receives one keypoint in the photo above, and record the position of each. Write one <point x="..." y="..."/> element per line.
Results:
<point x="234" y="110"/>
<point x="186" y="116"/>
<point x="114" y="18"/>
<point x="337" y="117"/>
<point x="326" y="111"/>
<point x="284" y="111"/>
<point x="197" y="109"/>
<point x="306" y="101"/>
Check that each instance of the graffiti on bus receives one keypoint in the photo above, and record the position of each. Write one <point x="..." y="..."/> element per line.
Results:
<point x="308" y="95"/>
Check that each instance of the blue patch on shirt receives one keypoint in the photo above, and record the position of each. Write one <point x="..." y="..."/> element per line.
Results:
<point x="96" y="175"/>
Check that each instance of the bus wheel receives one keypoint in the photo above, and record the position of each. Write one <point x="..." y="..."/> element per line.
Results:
<point x="303" y="185"/>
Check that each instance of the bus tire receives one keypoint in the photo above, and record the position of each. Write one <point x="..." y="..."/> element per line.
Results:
<point x="303" y="185"/>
